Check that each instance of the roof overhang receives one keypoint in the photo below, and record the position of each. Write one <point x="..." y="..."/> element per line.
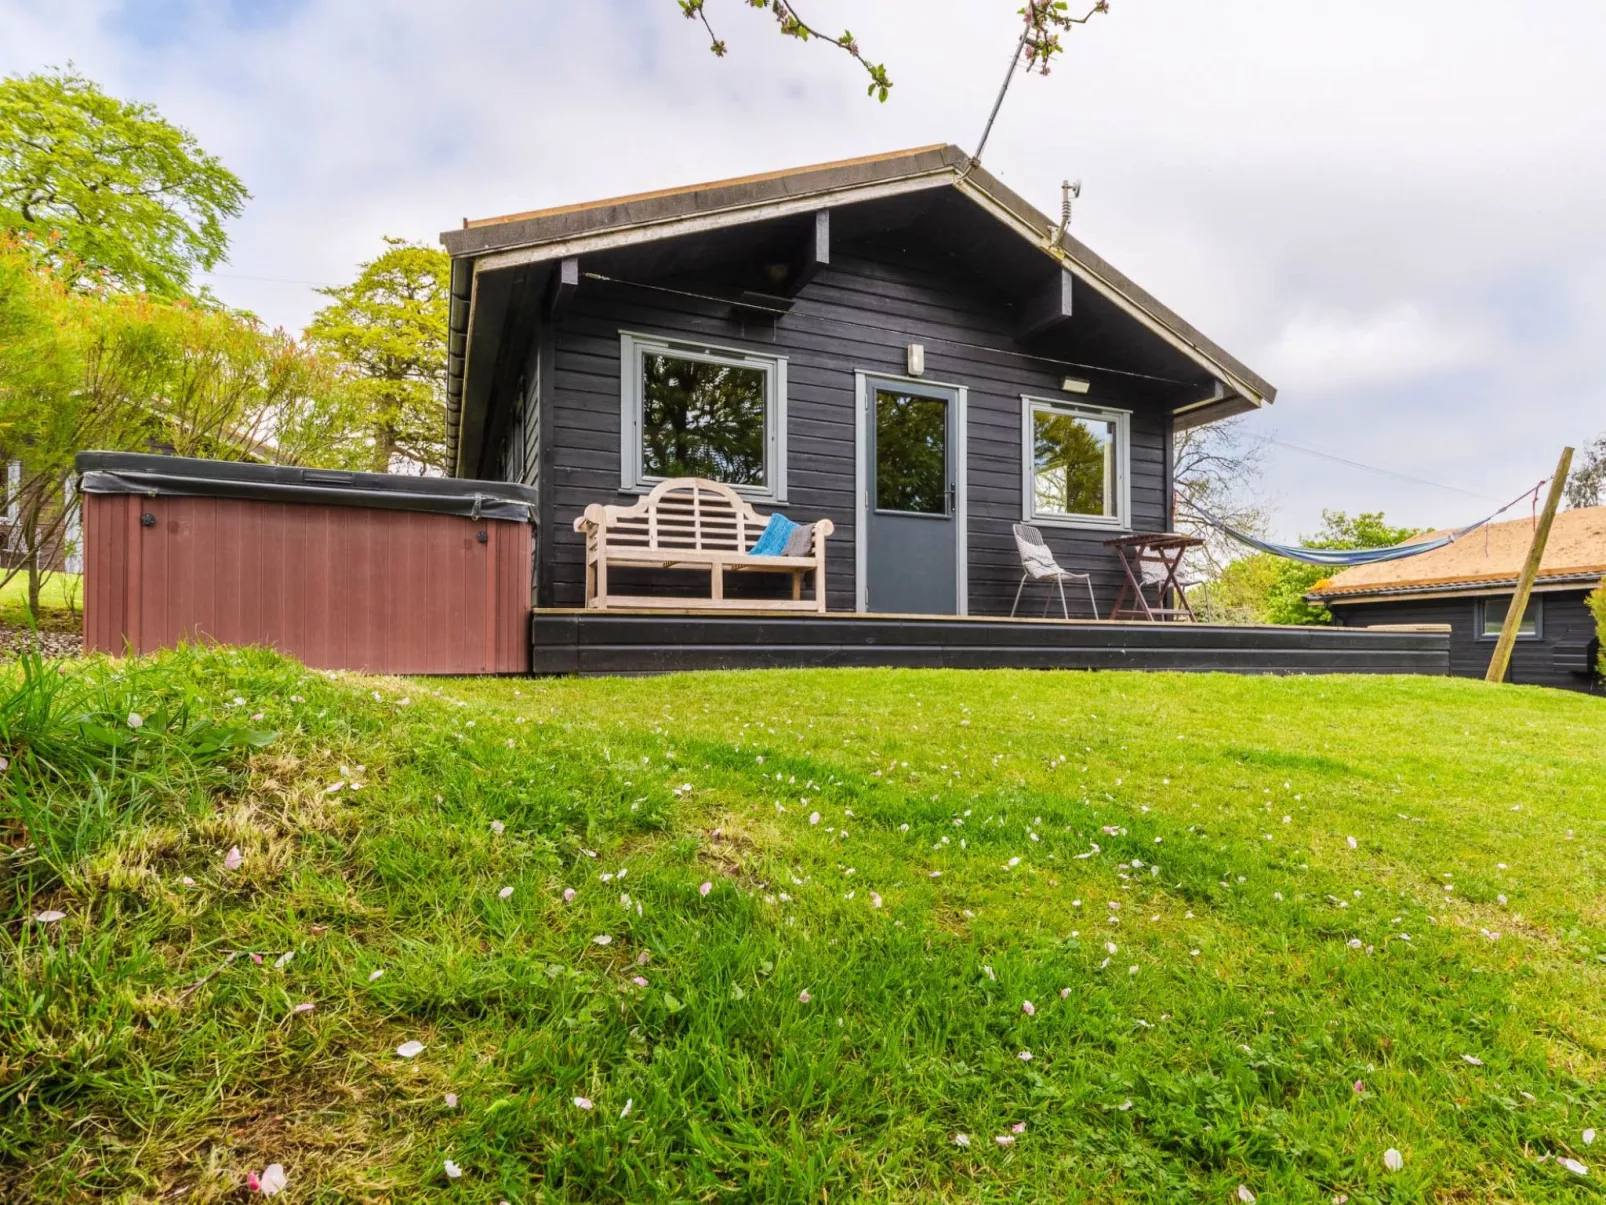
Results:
<point x="491" y="249"/>
<point x="1582" y="579"/>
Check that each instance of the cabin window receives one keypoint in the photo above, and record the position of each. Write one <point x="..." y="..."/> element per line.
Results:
<point x="1492" y="614"/>
<point x="698" y="411"/>
<point x="1075" y="464"/>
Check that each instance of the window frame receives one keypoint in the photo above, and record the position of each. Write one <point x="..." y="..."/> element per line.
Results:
<point x="1122" y="420"/>
<point x="633" y="347"/>
<point x="1480" y="617"/>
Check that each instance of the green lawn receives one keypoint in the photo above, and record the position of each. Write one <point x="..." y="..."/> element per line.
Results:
<point x="61" y="601"/>
<point x="1269" y="928"/>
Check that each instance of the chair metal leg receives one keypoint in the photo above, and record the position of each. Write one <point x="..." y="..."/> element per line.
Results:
<point x="1091" y="601"/>
<point x="1018" y="589"/>
<point x="1064" y="610"/>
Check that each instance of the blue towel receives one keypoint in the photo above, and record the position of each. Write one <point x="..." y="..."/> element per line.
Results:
<point x="776" y="533"/>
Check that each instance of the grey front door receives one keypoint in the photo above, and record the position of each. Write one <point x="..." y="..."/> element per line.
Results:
<point x="912" y="535"/>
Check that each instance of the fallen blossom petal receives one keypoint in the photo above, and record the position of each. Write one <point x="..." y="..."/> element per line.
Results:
<point x="1244" y="1195"/>
<point x="602" y="939"/>
<point x="568" y="895"/>
<point x="1025" y="1056"/>
<point x="410" y="1049"/>
<point x="1393" y="1160"/>
<point x="374" y="976"/>
<point x="1572" y="1165"/>
<point x="1358" y="1087"/>
<point x="272" y="1181"/>
<point x="639" y="980"/>
<point x="583" y="1102"/>
<point x="961" y="1139"/>
<point x="1027" y="1007"/>
<point x="49" y="916"/>
<point x="803" y="997"/>
<point x="705" y="889"/>
<point x="814" y="817"/>
<point x="135" y="720"/>
<point x="283" y="960"/>
<point x="1472" y="1060"/>
<point x="1589" y="1137"/>
<point x="498" y="827"/>
<point x="1351" y="842"/>
<point x="505" y="893"/>
<point x="306" y="1006"/>
<point x="1018" y="1128"/>
<point x="452" y="1170"/>
<point x="875" y="900"/>
<point x="1065" y="993"/>
<point x="1005" y="1140"/>
<point x="451" y="1100"/>
<point x="232" y="859"/>
<point x="629" y="1104"/>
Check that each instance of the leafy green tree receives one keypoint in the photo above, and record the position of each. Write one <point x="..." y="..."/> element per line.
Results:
<point x="387" y="331"/>
<point x="1597" y="606"/>
<point x="1586" y="484"/>
<point x="109" y="187"/>
<point x="1262" y="588"/>
<point x="95" y="368"/>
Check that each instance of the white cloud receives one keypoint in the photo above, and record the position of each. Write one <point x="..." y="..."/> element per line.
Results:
<point x="1328" y="352"/>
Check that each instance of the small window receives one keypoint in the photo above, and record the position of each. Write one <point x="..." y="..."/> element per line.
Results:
<point x="694" y="411"/>
<point x="1075" y="461"/>
<point x="1492" y="615"/>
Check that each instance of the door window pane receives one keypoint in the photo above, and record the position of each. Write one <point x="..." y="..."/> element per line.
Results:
<point x="702" y="419"/>
<point x="911" y="453"/>
<point x="1073" y="464"/>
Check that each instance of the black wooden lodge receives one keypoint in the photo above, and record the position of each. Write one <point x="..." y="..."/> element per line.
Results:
<point x="897" y="343"/>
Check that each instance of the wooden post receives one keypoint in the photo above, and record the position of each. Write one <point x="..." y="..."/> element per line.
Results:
<point x="1501" y="661"/>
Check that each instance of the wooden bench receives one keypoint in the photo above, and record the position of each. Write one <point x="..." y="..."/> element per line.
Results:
<point x="690" y="523"/>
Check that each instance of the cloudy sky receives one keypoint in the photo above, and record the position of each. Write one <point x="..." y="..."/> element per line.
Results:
<point x="1395" y="213"/>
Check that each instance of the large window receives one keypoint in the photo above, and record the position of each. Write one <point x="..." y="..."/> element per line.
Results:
<point x="1492" y="616"/>
<point x="1075" y="464"/>
<point x="695" y="411"/>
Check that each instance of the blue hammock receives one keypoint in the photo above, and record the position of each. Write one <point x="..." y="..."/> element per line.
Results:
<point x="1337" y="556"/>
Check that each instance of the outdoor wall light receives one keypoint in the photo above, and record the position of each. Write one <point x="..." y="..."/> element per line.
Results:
<point x="917" y="359"/>
<point x="1072" y="385"/>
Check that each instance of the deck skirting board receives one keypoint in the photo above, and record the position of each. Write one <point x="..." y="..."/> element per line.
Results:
<point x="570" y="642"/>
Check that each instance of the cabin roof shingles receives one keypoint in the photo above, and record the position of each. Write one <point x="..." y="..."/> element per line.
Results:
<point x="1491" y="556"/>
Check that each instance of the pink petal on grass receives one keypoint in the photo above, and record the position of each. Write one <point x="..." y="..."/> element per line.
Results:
<point x="1393" y="1160"/>
<point x="306" y="1006"/>
<point x="1027" y="1007"/>
<point x="232" y="859"/>
<point x="568" y="895"/>
<point x="1025" y="1056"/>
<point x="451" y="1100"/>
<point x="1065" y="993"/>
<point x="452" y="1170"/>
<point x="583" y="1102"/>
<point x="961" y="1139"/>
<point x="629" y="1104"/>
<point x="1244" y="1195"/>
<point x="1018" y="1128"/>
<point x="135" y="720"/>
<point x="49" y="916"/>
<point x="803" y="997"/>
<point x="1572" y="1165"/>
<point x="409" y="1050"/>
<point x="1005" y="1140"/>
<point x="373" y="976"/>
<point x="639" y="980"/>
<point x="505" y="894"/>
<point x="272" y="1181"/>
<point x="705" y="889"/>
<point x="602" y="939"/>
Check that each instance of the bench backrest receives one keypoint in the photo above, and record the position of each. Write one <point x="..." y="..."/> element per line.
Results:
<point x="683" y="512"/>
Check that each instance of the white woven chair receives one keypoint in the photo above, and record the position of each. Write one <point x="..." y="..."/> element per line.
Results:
<point x="1038" y="565"/>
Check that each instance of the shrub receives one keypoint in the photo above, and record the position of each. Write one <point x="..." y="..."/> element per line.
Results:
<point x="1597" y="604"/>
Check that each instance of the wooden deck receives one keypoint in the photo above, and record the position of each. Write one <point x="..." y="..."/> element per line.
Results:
<point x="621" y="642"/>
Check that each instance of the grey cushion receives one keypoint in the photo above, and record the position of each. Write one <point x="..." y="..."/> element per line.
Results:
<point x="798" y="542"/>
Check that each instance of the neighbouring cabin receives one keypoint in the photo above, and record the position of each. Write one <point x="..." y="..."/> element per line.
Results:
<point x="899" y="345"/>
<point x="1467" y="587"/>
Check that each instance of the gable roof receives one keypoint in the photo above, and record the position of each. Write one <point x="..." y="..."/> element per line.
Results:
<point x="1486" y="561"/>
<point x="548" y="235"/>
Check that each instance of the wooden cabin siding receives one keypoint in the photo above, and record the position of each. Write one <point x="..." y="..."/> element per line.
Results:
<point x="857" y="314"/>
<point x="1566" y="621"/>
